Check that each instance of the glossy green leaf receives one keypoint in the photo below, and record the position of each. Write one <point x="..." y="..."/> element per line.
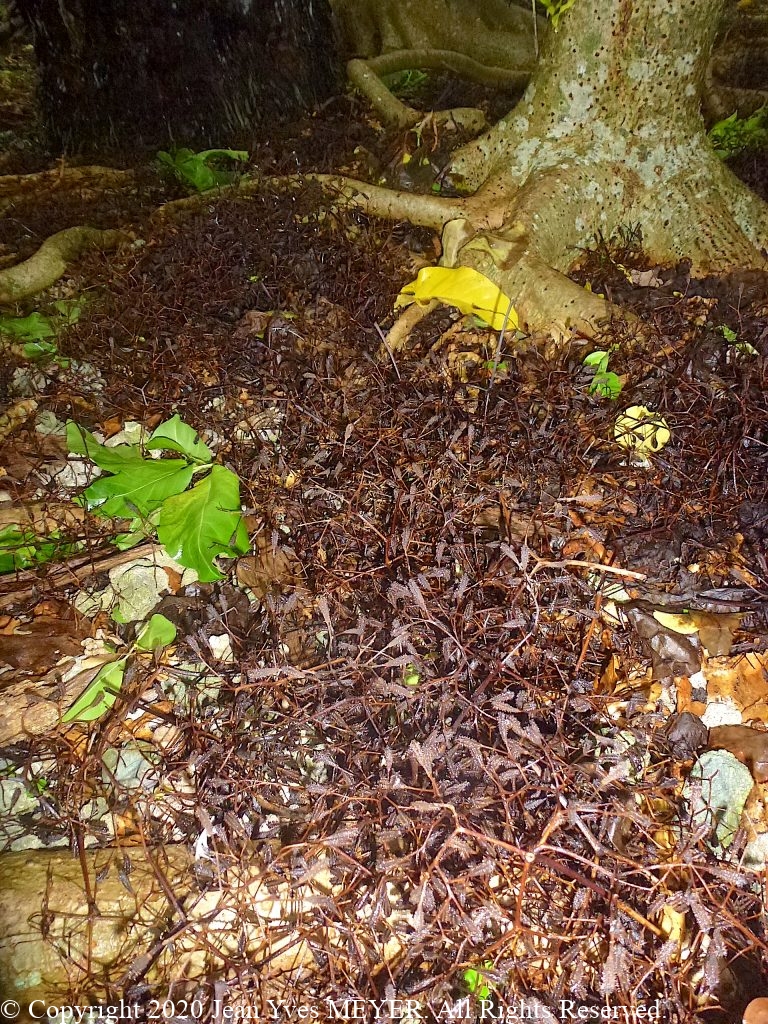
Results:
<point x="111" y="460"/>
<point x="40" y="350"/>
<point x="599" y="360"/>
<point x="177" y="436"/>
<point x="203" y="523"/>
<point x="476" y="982"/>
<point x="195" y="170"/>
<point x="140" y="487"/>
<point x="138" y="530"/>
<point x="556" y="9"/>
<point x="156" y="634"/>
<point x="734" y="134"/>
<point x="100" y="696"/>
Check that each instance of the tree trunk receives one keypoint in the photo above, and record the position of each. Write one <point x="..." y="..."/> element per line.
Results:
<point x="203" y="73"/>
<point x="609" y="132"/>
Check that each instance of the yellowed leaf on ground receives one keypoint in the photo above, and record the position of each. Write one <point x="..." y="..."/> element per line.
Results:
<point x="641" y="430"/>
<point x="467" y="289"/>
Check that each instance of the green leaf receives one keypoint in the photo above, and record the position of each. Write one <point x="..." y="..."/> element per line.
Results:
<point x="100" y="696"/>
<point x="405" y="83"/>
<point x="111" y="460"/>
<point x="17" y="549"/>
<point x="141" y="486"/>
<point x="411" y="675"/>
<point x="35" y="327"/>
<point x="24" y="549"/>
<point x="156" y="634"/>
<point x="729" y="335"/>
<point x="734" y="134"/>
<point x="203" y="523"/>
<point x="607" y="385"/>
<point x="138" y="530"/>
<point x="69" y="310"/>
<point x="177" y="436"/>
<point x="599" y="360"/>
<point x="40" y="349"/>
<point x="556" y="9"/>
<point x="476" y="983"/>
<point x="194" y="169"/>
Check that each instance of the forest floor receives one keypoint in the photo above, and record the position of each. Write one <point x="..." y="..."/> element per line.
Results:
<point x="456" y="698"/>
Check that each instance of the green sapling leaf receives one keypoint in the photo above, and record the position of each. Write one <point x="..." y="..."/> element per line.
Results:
<point x="599" y="360"/>
<point x="141" y="487"/>
<point x="156" y="634"/>
<point x="35" y="327"/>
<point x="607" y="385"/>
<point x="203" y="523"/>
<point x="177" y="436"/>
<point x="100" y="696"/>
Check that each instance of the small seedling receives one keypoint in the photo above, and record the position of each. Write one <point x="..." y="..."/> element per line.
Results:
<point x="555" y="9"/>
<point x="37" y="332"/>
<point x="736" y="134"/>
<point x="199" y="170"/>
<point x="605" y="382"/>
<point x="742" y="347"/>
<point x="195" y="525"/>
<point x="475" y="980"/>
<point x="496" y="366"/>
<point x="102" y="693"/>
<point x="405" y="83"/>
<point x="411" y="676"/>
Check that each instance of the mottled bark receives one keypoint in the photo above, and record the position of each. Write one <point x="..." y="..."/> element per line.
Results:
<point x="610" y="131"/>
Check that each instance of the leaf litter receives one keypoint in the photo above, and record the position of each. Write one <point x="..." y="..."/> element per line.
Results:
<point x="434" y="703"/>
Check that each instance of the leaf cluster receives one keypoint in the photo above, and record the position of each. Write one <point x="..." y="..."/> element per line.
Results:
<point x="195" y="525"/>
<point x="199" y="171"/>
<point x="24" y="549"/>
<point x="605" y="382"/>
<point x="103" y="691"/>
<point x="555" y="9"/>
<point x="37" y="331"/>
<point x="736" y="134"/>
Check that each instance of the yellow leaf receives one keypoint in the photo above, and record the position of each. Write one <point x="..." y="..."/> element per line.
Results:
<point x="467" y="289"/>
<point x="672" y="924"/>
<point x="678" y="623"/>
<point x="641" y="430"/>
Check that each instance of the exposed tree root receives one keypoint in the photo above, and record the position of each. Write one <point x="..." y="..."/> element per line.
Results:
<point x="62" y="178"/>
<point x="50" y="261"/>
<point x="367" y="76"/>
<point x="398" y="114"/>
<point x="391" y="204"/>
<point x="451" y="60"/>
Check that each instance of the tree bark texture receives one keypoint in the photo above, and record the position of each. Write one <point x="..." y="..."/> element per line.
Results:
<point x="610" y="132"/>
<point x="198" y="73"/>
